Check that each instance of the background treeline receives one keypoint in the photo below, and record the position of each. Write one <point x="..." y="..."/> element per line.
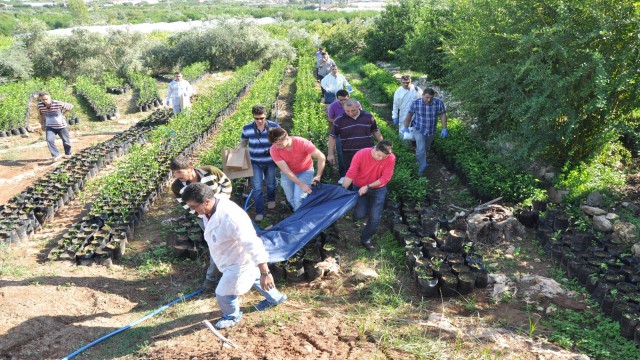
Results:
<point x="79" y="13"/>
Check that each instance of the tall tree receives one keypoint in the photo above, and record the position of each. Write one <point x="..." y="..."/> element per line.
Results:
<point x="79" y="11"/>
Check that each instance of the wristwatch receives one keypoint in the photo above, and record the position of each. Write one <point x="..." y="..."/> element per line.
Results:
<point x="368" y="186"/>
<point x="265" y="273"/>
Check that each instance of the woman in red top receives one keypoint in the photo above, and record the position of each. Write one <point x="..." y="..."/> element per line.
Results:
<point x="293" y="155"/>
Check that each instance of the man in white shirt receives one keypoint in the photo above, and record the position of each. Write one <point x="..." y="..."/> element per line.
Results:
<point x="237" y="251"/>
<point x="179" y="93"/>
<point x="332" y="83"/>
<point x="402" y="99"/>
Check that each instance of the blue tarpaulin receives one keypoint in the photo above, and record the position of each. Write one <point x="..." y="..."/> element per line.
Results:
<point x="324" y="206"/>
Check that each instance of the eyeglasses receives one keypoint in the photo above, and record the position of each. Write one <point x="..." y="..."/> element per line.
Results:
<point x="406" y="82"/>
<point x="259" y="118"/>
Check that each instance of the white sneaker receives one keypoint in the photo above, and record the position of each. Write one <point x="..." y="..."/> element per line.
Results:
<point x="259" y="217"/>
<point x="341" y="181"/>
<point x="271" y="204"/>
<point x="67" y="156"/>
<point x="56" y="159"/>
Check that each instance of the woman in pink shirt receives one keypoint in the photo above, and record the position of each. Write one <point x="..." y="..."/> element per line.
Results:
<point x="294" y="156"/>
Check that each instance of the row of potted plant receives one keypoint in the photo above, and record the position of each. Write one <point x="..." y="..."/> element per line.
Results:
<point x="147" y="89"/>
<point x="607" y="270"/>
<point x="36" y="205"/>
<point x="124" y="196"/>
<point x="14" y="105"/>
<point x="114" y="84"/>
<point x="101" y="103"/>
<point x="195" y="71"/>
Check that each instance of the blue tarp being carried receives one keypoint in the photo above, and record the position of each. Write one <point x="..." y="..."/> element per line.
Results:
<point x="324" y="206"/>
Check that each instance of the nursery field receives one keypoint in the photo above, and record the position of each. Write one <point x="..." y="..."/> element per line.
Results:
<point x="52" y="307"/>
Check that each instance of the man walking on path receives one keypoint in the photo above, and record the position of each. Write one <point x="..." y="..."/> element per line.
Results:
<point x="185" y="174"/>
<point x="336" y="109"/>
<point x="52" y="118"/>
<point x="256" y="134"/>
<point x="402" y="99"/>
<point x="425" y="112"/>
<point x="355" y="128"/>
<point x="370" y="171"/>
<point x="332" y="83"/>
<point x="179" y="93"/>
<point x="237" y="250"/>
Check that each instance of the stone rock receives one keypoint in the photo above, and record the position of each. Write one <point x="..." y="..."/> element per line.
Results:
<point x="611" y="216"/>
<point x="555" y="195"/>
<point x="593" y="211"/>
<point x="635" y="250"/>
<point x="625" y="204"/>
<point x="601" y="223"/>
<point x="365" y="274"/>
<point x="535" y="286"/>
<point x="594" y="199"/>
<point x="626" y="232"/>
<point x="498" y="279"/>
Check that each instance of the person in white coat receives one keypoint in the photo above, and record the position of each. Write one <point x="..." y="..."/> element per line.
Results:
<point x="237" y="251"/>
<point x="179" y="93"/>
<point x="402" y="99"/>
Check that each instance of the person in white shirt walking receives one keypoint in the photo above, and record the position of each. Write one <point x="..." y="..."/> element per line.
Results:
<point x="402" y="99"/>
<point x="179" y="93"/>
<point x="332" y="83"/>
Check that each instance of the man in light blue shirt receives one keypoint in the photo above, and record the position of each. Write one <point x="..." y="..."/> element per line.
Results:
<point x="425" y="112"/>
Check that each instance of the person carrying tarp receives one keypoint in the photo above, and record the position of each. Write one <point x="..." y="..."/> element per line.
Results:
<point x="370" y="171"/>
<point x="237" y="251"/>
<point x="294" y="156"/>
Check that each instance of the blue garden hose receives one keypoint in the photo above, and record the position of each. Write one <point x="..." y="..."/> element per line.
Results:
<point x="130" y="325"/>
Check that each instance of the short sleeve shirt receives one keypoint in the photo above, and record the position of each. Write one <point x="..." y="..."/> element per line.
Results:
<point x="298" y="157"/>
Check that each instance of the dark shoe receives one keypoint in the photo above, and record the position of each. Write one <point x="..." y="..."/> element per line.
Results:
<point x="209" y="285"/>
<point x="368" y="245"/>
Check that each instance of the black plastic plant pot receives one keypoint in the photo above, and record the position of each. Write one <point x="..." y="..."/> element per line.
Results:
<point x="71" y="121"/>
<point x="3" y="134"/>
<point x="448" y="284"/>
<point x="428" y="285"/>
<point x="457" y="269"/>
<point x="528" y="218"/>
<point x="466" y="283"/>
<point x="278" y="271"/>
<point x="539" y="205"/>
<point x="561" y="222"/>
<point x="482" y="278"/>
<point x="580" y="242"/>
<point x="15" y="132"/>
<point x="77" y="120"/>
<point x="600" y="292"/>
<point x="630" y="324"/>
<point x="454" y="241"/>
<point x="295" y="272"/>
<point x="621" y="307"/>
<point x="607" y="304"/>
<point x="310" y="269"/>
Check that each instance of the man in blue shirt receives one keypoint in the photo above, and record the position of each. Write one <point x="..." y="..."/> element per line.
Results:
<point x="256" y="135"/>
<point x="425" y="112"/>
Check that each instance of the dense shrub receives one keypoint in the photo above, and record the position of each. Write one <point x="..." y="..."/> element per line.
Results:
<point x="194" y="71"/>
<point x="557" y="76"/>
<point x="223" y="46"/>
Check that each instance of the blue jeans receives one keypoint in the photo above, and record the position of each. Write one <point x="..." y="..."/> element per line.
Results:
<point x="51" y="140"/>
<point x="423" y="143"/>
<point x="230" y="306"/>
<point x="292" y="191"/>
<point x="268" y="173"/>
<point x="372" y="204"/>
<point x="341" y="168"/>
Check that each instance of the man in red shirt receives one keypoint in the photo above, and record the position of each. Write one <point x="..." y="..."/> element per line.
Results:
<point x="370" y="171"/>
<point x="294" y="156"/>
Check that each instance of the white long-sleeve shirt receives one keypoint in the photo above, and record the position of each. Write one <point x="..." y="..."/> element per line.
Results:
<point x="178" y="89"/>
<point x="234" y="246"/>
<point x="402" y="99"/>
<point x="332" y="83"/>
